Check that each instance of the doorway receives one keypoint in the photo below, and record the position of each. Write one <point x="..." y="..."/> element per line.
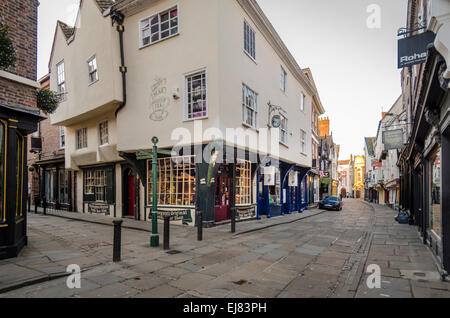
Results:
<point x="130" y="194"/>
<point x="222" y="198"/>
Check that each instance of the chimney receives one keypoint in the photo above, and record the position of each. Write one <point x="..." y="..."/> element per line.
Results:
<point x="383" y="114"/>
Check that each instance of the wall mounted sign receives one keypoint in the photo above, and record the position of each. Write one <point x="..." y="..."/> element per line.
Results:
<point x="413" y="50"/>
<point x="393" y="139"/>
<point x="159" y="100"/>
<point x="293" y="179"/>
<point x="269" y="176"/>
<point x="98" y="207"/>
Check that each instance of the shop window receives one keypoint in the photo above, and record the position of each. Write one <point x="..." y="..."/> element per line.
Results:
<point x="19" y="173"/>
<point x="243" y="182"/>
<point x="275" y="190"/>
<point x="63" y="187"/>
<point x="159" y="27"/>
<point x="176" y="185"/>
<point x="435" y="194"/>
<point x="249" y="106"/>
<point x="50" y="184"/>
<point x="196" y="98"/>
<point x="2" y="172"/>
<point x="95" y="185"/>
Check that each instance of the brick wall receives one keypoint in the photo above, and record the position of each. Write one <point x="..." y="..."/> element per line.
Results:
<point x="21" y="18"/>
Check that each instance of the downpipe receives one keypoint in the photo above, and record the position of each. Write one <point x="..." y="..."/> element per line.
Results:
<point x="118" y="17"/>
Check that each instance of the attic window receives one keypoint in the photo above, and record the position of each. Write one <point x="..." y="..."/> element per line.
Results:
<point x="159" y="27"/>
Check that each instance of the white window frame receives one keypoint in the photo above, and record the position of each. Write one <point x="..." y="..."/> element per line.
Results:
<point x="151" y="17"/>
<point x="283" y="79"/>
<point x="303" y="142"/>
<point x="284" y="130"/>
<point x="84" y="141"/>
<point x="302" y="101"/>
<point x="61" y="81"/>
<point x="251" y="52"/>
<point x="62" y="137"/>
<point x="102" y="131"/>
<point x="95" y="71"/>
<point x="245" y="107"/>
<point x="186" y="95"/>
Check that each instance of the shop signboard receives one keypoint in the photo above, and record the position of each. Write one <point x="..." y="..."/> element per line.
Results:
<point x="269" y="176"/>
<point x="414" y="49"/>
<point x="293" y="179"/>
<point x="393" y="139"/>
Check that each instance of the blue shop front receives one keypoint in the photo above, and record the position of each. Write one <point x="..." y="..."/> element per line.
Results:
<point x="281" y="189"/>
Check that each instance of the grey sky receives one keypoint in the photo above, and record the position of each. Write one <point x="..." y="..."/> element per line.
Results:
<point x="355" y="67"/>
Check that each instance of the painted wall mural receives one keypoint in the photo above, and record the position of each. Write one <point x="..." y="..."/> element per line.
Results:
<point x="159" y="100"/>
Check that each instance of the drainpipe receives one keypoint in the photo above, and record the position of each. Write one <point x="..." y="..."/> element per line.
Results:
<point x="118" y="17"/>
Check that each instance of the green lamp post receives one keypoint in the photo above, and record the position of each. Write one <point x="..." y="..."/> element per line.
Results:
<point x="154" y="240"/>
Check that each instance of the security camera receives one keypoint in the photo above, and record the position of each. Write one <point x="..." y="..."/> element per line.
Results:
<point x="176" y="94"/>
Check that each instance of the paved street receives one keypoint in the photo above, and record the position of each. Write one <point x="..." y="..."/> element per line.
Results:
<point x="325" y="254"/>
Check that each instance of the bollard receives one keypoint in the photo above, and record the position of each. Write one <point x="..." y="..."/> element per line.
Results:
<point x="166" y="232"/>
<point x="44" y="205"/>
<point x="233" y="220"/>
<point x="29" y="203"/>
<point x="35" y="204"/>
<point x="117" y="240"/>
<point x="200" y="225"/>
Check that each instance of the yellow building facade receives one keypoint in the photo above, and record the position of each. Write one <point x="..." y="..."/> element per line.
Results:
<point x="359" y="167"/>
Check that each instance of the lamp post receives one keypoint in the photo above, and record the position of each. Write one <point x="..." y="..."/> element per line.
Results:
<point x="154" y="240"/>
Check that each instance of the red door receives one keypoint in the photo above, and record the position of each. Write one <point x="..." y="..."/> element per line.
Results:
<point x="131" y="195"/>
<point x="223" y="191"/>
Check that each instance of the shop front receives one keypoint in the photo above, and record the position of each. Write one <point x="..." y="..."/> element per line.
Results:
<point x="15" y="124"/>
<point x="99" y="188"/>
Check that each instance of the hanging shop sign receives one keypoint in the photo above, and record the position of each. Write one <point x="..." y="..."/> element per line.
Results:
<point x="414" y="50"/>
<point x="269" y="176"/>
<point x="293" y="178"/>
<point x="393" y="139"/>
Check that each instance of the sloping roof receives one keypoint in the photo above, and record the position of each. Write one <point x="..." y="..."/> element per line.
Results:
<point x="67" y="30"/>
<point x="369" y="145"/>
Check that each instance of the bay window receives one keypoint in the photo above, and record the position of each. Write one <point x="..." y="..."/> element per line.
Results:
<point x="176" y="185"/>
<point x="95" y="184"/>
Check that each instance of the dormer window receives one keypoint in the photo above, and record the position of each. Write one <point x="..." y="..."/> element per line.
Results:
<point x="159" y="27"/>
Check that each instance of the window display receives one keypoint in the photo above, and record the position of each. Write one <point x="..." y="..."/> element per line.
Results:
<point x="243" y="182"/>
<point x="435" y="194"/>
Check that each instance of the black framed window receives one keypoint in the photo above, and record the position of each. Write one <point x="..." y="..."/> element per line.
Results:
<point x="99" y="185"/>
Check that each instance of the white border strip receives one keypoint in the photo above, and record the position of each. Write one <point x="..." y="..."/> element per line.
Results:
<point x="19" y="79"/>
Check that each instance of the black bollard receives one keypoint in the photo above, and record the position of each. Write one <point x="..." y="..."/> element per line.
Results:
<point x="44" y="205"/>
<point x="166" y="232"/>
<point x="117" y="240"/>
<point x="35" y="204"/>
<point x="29" y="203"/>
<point x="200" y="225"/>
<point x="233" y="220"/>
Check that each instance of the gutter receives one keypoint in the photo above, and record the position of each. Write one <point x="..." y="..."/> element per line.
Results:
<point x="118" y="17"/>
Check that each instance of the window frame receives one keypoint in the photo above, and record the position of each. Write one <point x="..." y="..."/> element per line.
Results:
<point x="150" y="18"/>
<point x="62" y="137"/>
<point x="244" y="186"/>
<point x="186" y="95"/>
<point x="85" y="141"/>
<point x="61" y="76"/>
<point x="164" y="197"/>
<point x="90" y="81"/>
<point x="252" y="40"/>
<point x="100" y="136"/>
<point x="95" y="184"/>
<point x="303" y="138"/>
<point x="285" y="130"/>
<point x="283" y="79"/>
<point x="302" y="102"/>
<point x="245" y="107"/>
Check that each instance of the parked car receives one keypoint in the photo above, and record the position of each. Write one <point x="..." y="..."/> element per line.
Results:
<point x="331" y="203"/>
